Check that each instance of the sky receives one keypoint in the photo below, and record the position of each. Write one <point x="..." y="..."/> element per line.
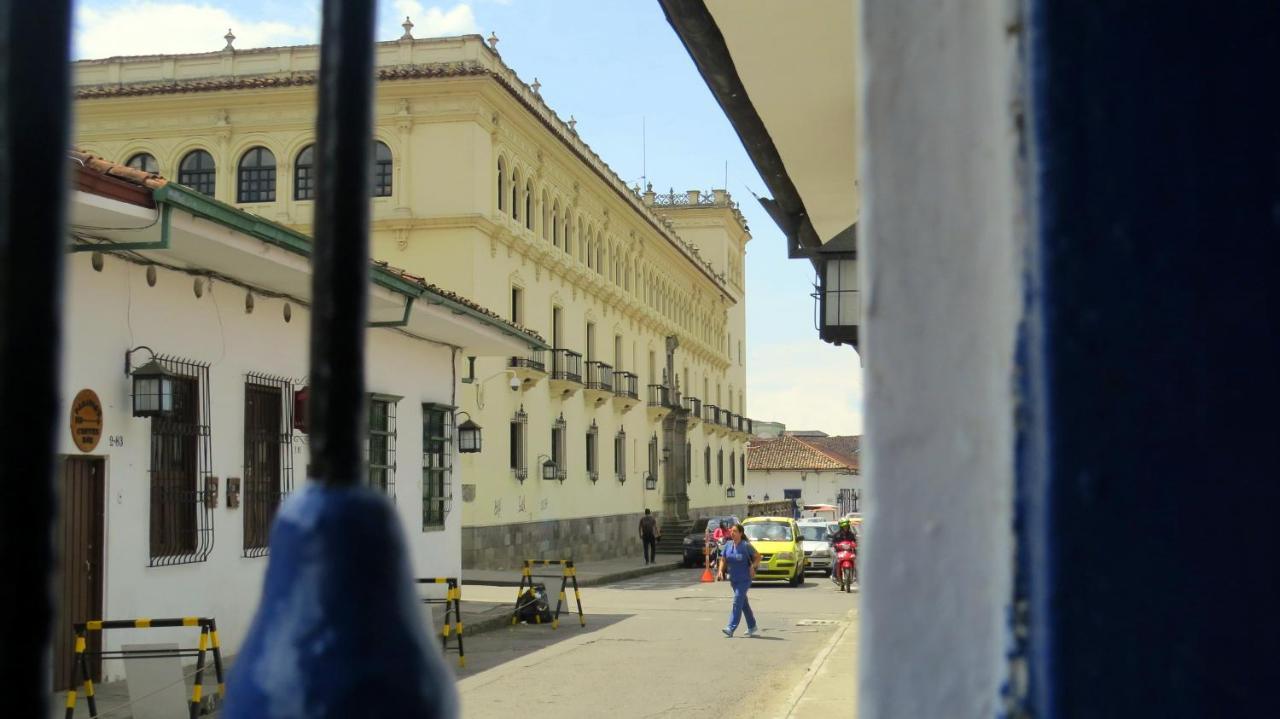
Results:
<point x="619" y="69"/>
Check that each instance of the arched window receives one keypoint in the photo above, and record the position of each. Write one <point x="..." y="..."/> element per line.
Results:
<point x="565" y="235"/>
<point x="546" y="209"/>
<point x="502" y="184"/>
<point x="528" y="205"/>
<point x="304" y="174"/>
<point x="555" y="224"/>
<point x="256" y="181"/>
<point x="144" y="161"/>
<point x="381" y="169"/>
<point x="198" y="172"/>
<point x="515" y="195"/>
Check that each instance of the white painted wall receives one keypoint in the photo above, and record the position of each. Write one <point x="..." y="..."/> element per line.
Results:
<point x="816" y="487"/>
<point x="110" y="311"/>
<point x="942" y="255"/>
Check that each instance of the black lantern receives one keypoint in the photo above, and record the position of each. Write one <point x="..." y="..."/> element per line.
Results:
<point x="152" y="390"/>
<point x="549" y="468"/>
<point x="838" y="306"/>
<point x="766" y="498"/>
<point x="730" y="492"/>
<point x="650" y="481"/>
<point x="468" y="436"/>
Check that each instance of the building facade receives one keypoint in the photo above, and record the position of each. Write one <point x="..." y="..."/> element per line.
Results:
<point x="482" y="189"/>
<point x="810" y="470"/>
<point x="169" y="494"/>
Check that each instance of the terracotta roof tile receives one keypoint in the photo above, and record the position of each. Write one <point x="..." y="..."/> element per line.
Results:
<point x="120" y="172"/>
<point x="788" y="452"/>
<point x="844" y="449"/>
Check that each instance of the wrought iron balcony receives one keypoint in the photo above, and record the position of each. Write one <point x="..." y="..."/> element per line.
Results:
<point x="659" y="395"/>
<point x="626" y="384"/>
<point x="600" y="376"/>
<point x="711" y="413"/>
<point x="566" y="365"/>
<point x="751" y="427"/>
<point x="536" y="361"/>
<point x="692" y="405"/>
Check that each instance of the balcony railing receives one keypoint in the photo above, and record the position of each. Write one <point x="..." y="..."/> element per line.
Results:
<point x="659" y="395"/>
<point x="626" y="384"/>
<point x="751" y="427"/>
<point x="599" y="376"/>
<point x="724" y="418"/>
<point x="537" y="360"/>
<point x="692" y="405"/>
<point x="710" y="413"/>
<point x="566" y="364"/>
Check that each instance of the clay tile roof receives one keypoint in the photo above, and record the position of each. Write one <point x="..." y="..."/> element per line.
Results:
<point x="788" y="452"/>
<point x="845" y="449"/>
<point x="128" y="174"/>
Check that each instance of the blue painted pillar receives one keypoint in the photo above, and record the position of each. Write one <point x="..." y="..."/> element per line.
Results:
<point x="1150" y="477"/>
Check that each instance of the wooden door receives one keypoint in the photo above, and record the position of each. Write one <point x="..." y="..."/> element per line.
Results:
<point x="80" y="550"/>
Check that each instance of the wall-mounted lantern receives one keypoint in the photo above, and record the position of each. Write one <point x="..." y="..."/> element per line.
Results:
<point x="730" y="492"/>
<point x="152" y="386"/>
<point x="549" y="468"/>
<point x="650" y="481"/>
<point x="837" y="302"/>
<point x="469" y="440"/>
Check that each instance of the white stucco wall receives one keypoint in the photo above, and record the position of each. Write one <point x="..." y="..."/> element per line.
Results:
<point x="816" y="487"/>
<point x="112" y="310"/>
<point x="941" y="276"/>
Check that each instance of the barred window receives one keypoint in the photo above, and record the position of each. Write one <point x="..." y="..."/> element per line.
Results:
<point x="381" y="170"/>
<point x="181" y="520"/>
<point x="653" y="456"/>
<point x="437" y="457"/>
<point x="620" y="455"/>
<point x="256" y="181"/>
<point x="144" y="161"/>
<point x="558" y="454"/>
<point x="742" y="467"/>
<point x="688" y="462"/>
<point x="733" y="474"/>
<point x="706" y="464"/>
<point x="304" y="174"/>
<point x="519" y="424"/>
<point x="593" y="467"/>
<point x="720" y="466"/>
<point x="268" y="456"/>
<point x="198" y="172"/>
<point x="382" y="443"/>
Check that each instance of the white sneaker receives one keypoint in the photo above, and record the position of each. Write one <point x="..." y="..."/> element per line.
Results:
<point x="753" y="632"/>
<point x="729" y="632"/>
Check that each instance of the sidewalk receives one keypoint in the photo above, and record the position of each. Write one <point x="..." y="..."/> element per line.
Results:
<point x="830" y="687"/>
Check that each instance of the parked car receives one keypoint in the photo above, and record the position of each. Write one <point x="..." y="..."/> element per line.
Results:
<point x="694" y="543"/>
<point x="814" y="534"/>
<point x="777" y="539"/>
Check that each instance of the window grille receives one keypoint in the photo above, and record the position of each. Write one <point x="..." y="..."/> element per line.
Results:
<point x="733" y="472"/>
<point x="720" y="466"/>
<point x="742" y="467"/>
<point x="706" y="464"/>
<point x="198" y="172"/>
<point x="519" y="426"/>
<point x="528" y="205"/>
<point x="144" y="161"/>
<point x="688" y="462"/>
<point x="304" y="174"/>
<point x="593" y="467"/>
<point x="437" y="463"/>
<point x="382" y="443"/>
<point x="256" y="181"/>
<point x="620" y="455"/>
<point x="268" y="456"/>
<point x="381" y="170"/>
<point x="558" y="454"/>
<point x="181" y="518"/>
<point x="653" y="456"/>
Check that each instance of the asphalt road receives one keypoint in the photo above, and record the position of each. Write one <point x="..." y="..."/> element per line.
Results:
<point x="652" y="647"/>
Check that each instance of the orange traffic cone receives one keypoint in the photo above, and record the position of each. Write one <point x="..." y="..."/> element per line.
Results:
<point x="706" y="575"/>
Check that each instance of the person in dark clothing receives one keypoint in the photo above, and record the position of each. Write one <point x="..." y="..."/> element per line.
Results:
<point x="649" y="536"/>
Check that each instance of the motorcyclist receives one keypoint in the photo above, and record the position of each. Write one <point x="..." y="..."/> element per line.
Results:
<point x="718" y="537"/>
<point x="844" y="534"/>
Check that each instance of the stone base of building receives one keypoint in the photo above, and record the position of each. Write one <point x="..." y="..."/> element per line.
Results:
<point x="582" y="539"/>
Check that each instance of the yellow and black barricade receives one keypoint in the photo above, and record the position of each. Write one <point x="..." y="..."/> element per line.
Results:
<point x="452" y="602"/>
<point x="569" y="574"/>
<point x="208" y="642"/>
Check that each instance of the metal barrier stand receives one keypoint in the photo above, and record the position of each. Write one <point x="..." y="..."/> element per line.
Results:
<point x="208" y="642"/>
<point x="452" y="602"/>
<point x="569" y="574"/>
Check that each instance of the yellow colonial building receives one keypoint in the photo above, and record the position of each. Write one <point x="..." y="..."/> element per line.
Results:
<point x="481" y="189"/>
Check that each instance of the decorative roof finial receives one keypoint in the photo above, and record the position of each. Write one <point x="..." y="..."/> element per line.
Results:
<point x="536" y="86"/>
<point x="573" y="123"/>
<point x="229" y="37"/>
<point x="408" y="26"/>
<point x="493" y="41"/>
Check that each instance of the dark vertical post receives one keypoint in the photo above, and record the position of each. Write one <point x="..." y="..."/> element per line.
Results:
<point x="34" y="80"/>
<point x="340" y="284"/>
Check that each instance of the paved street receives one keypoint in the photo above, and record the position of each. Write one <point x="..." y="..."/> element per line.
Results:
<point x="652" y="647"/>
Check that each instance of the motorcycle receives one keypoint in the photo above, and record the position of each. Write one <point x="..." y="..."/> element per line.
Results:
<point x="845" y="572"/>
<point x="715" y="547"/>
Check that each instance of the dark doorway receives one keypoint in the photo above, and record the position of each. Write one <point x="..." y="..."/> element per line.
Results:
<point x="80" y="540"/>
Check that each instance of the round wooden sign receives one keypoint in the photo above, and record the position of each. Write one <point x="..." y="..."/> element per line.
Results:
<point x="86" y="420"/>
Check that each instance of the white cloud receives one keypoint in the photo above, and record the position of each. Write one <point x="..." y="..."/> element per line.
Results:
<point x="434" y="22"/>
<point x="144" y="28"/>
<point x="807" y="385"/>
<point x="408" y="8"/>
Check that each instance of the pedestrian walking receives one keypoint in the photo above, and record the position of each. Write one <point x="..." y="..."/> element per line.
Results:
<point x="649" y="536"/>
<point x="739" y="560"/>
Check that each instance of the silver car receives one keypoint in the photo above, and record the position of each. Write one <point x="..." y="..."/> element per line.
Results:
<point x="814" y="539"/>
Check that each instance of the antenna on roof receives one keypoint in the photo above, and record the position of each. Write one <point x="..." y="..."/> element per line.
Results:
<point x="644" y="153"/>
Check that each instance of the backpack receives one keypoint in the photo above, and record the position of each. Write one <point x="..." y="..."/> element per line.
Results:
<point x="532" y="606"/>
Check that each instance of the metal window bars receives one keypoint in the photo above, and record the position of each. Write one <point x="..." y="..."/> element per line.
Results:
<point x="653" y="455"/>
<point x="268" y="455"/>
<point x="382" y="168"/>
<point x="593" y="452"/>
<point x="620" y="455"/>
<point x="381" y="445"/>
<point x="706" y="464"/>
<point x="519" y="460"/>
<point x="181" y="512"/>
<point x="437" y="437"/>
<point x="625" y="384"/>
<point x="559" y="453"/>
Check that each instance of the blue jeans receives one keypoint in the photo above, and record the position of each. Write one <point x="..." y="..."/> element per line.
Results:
<point x="740" y="607"/>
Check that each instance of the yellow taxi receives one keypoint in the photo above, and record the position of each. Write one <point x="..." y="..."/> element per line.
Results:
<point x="777" y="539"/>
